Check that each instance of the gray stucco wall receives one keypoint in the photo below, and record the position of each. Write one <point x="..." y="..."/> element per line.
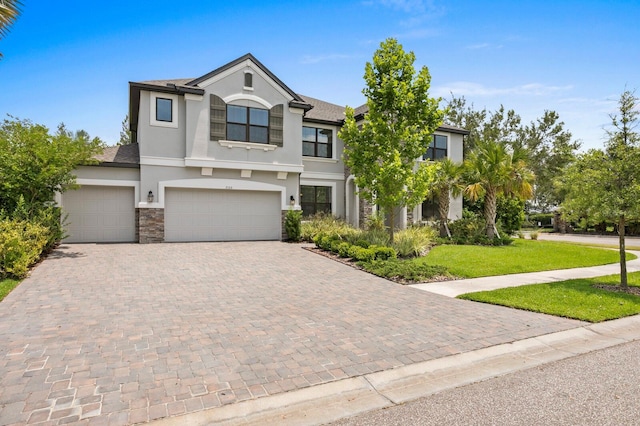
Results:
<point x="156" y="141"/>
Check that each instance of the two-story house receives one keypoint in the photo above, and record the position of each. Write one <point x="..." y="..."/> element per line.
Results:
<point x="223" y="157"/>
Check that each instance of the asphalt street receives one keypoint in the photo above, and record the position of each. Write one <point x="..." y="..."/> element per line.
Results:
<point x="598" y="388"/>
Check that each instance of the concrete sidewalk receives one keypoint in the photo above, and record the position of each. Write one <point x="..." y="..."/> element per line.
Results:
<point x="457" y="287"/>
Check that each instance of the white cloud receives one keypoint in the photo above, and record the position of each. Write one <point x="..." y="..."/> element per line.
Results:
<point x="484" y="46"/>
<point x="314" y="59"/>
<point x="466" y="88"/>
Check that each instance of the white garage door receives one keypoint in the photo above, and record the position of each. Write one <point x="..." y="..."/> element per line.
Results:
<point x="221" y="215"/>
<point x="100" y="214"/>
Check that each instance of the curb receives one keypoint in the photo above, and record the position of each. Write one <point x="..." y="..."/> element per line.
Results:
<point x="349" y="397"/>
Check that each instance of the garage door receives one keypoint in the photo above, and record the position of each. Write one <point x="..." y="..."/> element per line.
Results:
<point x="100" y="214"/>
<point x="221" y="215"/>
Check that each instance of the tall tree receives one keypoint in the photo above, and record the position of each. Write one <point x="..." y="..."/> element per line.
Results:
<point x="546" y="144"/>
<point x="35" y="164"/>
<point x="382" y="151"/>
<point x="9" y="12"/>
<point x="125" y="133"/>
<point x="604" y="185"/>
<point x="493" y="169"/>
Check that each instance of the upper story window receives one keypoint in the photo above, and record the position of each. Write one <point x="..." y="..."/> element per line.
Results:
<point x="164" y="110"/>
<point x="437" y="148"/>
<point x="317" y="142"/>
<point x="247" y="124"/>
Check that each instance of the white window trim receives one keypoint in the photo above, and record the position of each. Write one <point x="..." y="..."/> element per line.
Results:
<point x="333" y="185"/>
<point x="174" y="110"/>
<point x="333" y="142"/>
<point x="247" y="145"/>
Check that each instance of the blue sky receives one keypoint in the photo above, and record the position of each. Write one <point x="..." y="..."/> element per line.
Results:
<point x="71" y="61"/>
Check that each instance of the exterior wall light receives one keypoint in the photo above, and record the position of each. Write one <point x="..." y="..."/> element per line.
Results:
<point x="292" y="200"/>
<point x="150" y="197"/>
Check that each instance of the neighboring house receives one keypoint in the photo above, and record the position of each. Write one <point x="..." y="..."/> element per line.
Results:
<point x="223" y="157"/>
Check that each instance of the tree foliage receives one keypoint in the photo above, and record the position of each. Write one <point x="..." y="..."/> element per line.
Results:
<point x="9" y="13"/>
<point x="35" y="164"/>
<point x="381" y="152"/>
<point x="446" y="182"/>
<point x="493" y="169"/>
<point x="545" y="144"/>
<point x="604" y="185"/>
<point x="125" y="132"/>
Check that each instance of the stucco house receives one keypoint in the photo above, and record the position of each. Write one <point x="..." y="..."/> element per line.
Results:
<point x="222" y="157"/>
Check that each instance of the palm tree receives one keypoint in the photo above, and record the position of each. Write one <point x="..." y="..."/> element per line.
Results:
<point x="492" y="169"/>
<point x="9" y="12"/>
<point x="446" y="183"/>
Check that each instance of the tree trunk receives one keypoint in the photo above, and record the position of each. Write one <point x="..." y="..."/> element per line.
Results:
<point x="490" y="200"/>
<point x="443" y="212"/>
<point x="392" y="225"/>
<point x="623" y="255"/>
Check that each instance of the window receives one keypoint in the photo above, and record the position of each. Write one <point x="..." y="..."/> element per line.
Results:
<point x="430" y="209"/>
<point x="437" y="148"/>
<point x="164" y="110"/>
<point x="315" y="199"/>
<point x="317" y="142"/>
<point x="245" y="124"/>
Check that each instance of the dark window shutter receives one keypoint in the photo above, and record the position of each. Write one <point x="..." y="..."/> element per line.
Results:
<point x="218" y="118"/>
<point x="276" y="120"/>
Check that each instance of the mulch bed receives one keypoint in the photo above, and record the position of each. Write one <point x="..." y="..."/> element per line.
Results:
<point x="618" y="289"/>
<point x="353" y="264"/>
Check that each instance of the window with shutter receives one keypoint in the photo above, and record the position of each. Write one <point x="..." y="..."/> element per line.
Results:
<point x="218" y="118"/>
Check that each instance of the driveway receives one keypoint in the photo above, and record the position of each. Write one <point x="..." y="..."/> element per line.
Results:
<point x="127" y="333"/>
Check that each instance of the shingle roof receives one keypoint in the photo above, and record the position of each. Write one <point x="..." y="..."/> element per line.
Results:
<point x="120" y="155"/>
<point x="327" y="112"/>
<point x="163" y="83"/>
<point x="323" y="111"/>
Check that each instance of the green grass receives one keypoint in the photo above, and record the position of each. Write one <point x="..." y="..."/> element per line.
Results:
<point x="521" y="256"/>
<point x="6" y="286"/>
<point x="575" y="299"/>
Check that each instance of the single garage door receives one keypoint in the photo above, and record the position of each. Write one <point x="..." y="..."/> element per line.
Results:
<point x="100" y="214"/>
<point x="221" y="215"/>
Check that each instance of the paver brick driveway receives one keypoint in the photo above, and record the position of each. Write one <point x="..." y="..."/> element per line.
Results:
<point x="118" y="334"/>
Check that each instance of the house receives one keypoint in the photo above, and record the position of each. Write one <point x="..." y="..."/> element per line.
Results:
<point x="222" y="157"/>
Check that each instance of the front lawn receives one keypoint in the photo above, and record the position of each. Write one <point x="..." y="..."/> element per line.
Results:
<point x="521" y="256"/>
<point x="6" y="285"/>
<point x="576" y="299"/>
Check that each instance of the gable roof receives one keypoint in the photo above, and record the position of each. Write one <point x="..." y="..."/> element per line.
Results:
<point x="190" y="85"/>
<point x="238" y="61"/>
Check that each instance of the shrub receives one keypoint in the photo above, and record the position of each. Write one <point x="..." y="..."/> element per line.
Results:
<point x="414" y="241"/>
<point x="383" y="253"/>
<point x="471" y="229"/>
<point x="403" y="270"/>
<point x="292" y="225"/>
<point x="323" y="223"/>
<point x="533" y="235"/>
<point x="343" y="249"/>
<point x="21" y="244"/>
<point x="375" y="222"/>
<point x="545" y="219"/>
<point x="377" y="237"/>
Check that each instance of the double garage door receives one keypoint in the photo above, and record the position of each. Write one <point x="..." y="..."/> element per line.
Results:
<point x="100" y="214"/>
<point x="221" y="215"/>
